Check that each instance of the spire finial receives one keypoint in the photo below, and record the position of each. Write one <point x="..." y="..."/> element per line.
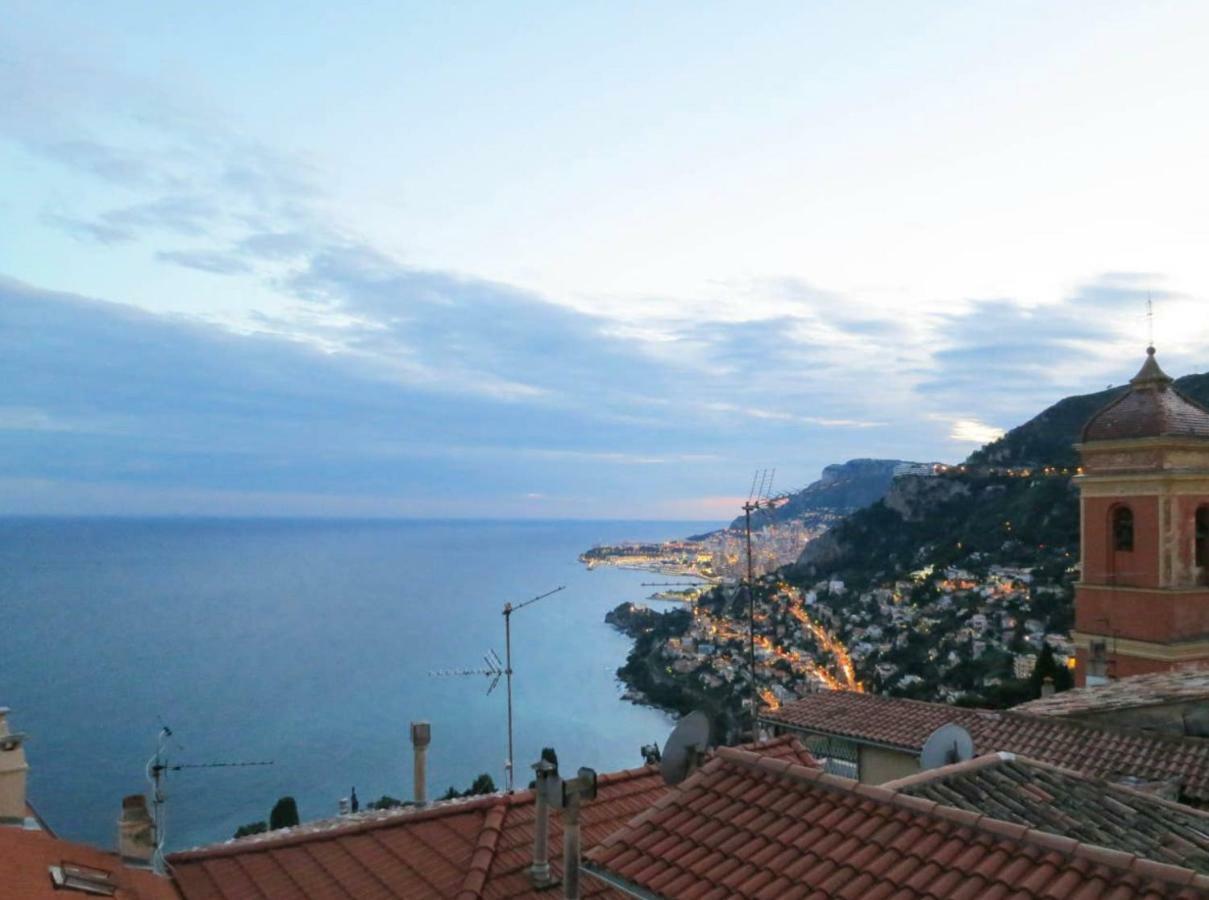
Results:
<point x="1150" y="324"/>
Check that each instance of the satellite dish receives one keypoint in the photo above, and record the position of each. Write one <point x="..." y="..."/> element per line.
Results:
<point x="685" y="747"/>
<point x="946" y="745"/>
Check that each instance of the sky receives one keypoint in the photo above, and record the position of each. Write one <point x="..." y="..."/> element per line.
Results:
<point x="574" y="260"/>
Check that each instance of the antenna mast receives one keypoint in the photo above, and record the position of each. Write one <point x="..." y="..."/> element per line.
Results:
<point x="158" y="768"/>
<point x="495" y="667"/>
<point x="509" y="609"/>
<point x="756" y="500"/>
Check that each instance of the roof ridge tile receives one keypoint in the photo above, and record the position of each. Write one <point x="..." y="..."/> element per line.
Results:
<point x="484" y="851"/>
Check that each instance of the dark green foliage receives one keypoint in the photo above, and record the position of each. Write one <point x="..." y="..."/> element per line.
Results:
<point x="251" y="828"/>
<point x="483" y="784"/>
<point x="385" y="802"/>
<point x="284" y="814"/>
<point x="1047" y="666"/>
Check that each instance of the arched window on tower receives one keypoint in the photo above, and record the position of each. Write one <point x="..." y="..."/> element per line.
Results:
<point x="1122" y="528"/>
<point x="1202" y="541"/>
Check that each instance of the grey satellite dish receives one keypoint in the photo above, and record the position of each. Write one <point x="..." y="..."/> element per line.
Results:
<point x="946" y="745"/>
<point x="685" y="747"/>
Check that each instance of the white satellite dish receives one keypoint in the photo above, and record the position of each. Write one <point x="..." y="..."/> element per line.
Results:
<point x="946" y="745"/>
<point x="685" y="747"/>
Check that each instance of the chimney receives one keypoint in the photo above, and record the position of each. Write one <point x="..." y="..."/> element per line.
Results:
<point x="136" y="831"/>
<point x="546" y="770"/>
<point x="421" y="736"/>
<point x="1047" y="686"/>
<point x="572" y="793"/>
<point x="13" y="769"/>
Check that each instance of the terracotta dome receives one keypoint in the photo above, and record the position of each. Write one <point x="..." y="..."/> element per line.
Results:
<point x="1151" y="408"/>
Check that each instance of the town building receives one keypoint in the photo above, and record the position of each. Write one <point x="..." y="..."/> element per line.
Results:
<point x="878" y="739"/>
<point x="1175" y="702"/>
<point x="1142" y="604"/>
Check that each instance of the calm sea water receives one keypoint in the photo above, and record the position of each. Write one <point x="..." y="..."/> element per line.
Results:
<point x="308" y="643"/>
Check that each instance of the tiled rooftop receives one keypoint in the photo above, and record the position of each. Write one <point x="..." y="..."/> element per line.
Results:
<point x="752" y="827"/>
<point x="1151" y="408"/>
<point x="1133" y="692"/>
<point x="1067" y="803"/>
<point x="1099" y="750"/>
<point x="27" y="855"/>
<point x="479" y="848"/>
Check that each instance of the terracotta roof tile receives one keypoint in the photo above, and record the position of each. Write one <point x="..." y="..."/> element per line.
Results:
<point x="463" y="849"/>
<point x="1133" y="692"/>
<point x="949" y="853"/>
<point x="1067" y="807"/>
<point x="1152" y="407"/>
<point x="1095" y="749"/>
<point x="26" y="856"/>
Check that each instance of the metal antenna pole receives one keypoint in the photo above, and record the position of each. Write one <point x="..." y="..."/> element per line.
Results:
<point x="157" y="769"/>
<point x="509" y="609"/>
<point x="751" y="619"/>
<point x="508" y="676"/>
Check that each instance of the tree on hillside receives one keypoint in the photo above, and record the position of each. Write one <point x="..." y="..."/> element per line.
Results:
<point x="1048" y="666"/>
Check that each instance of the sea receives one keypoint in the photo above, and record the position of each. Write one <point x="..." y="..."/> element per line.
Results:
<point x="310" y="644"/>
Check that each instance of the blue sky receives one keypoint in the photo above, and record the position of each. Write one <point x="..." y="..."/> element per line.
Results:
<point x="589" y="260"/>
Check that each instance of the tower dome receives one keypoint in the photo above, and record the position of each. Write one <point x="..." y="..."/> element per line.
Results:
<point x="1152" y="407"/>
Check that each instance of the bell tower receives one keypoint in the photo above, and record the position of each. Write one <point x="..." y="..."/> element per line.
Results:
<point x="1142" y="603"/>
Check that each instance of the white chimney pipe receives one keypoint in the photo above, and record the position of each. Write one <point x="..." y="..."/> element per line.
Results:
<point x="421" y="736"/>
<point x="571" y="850"/>
<point x="13" y="769"/>
<point x="136" y="831"/>
<point x="546" y="780"/>
<point x="573" y="792"/>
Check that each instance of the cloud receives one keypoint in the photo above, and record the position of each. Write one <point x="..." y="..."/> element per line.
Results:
<point x="971" y="431"/>
<point x="205" y="261"/>
<point x="101" y="160"/>
<point x="16" y="418"/>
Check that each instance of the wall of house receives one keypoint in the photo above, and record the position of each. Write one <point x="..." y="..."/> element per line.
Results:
<point x="879" y="765"/>
<point x="13" y="769"/>
<point x="1188" y="717"/>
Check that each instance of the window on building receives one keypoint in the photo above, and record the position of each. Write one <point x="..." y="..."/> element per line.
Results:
<point x="1122" y="528"/>
<point x="86" y="879"/>
<point x="836" y="755"/>
<point x="1202" y="536"/>
<point x="1097" y="663"/>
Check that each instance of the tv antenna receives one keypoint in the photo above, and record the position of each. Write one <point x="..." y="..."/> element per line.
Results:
<point x="495" y="668"/>
<point x="760" y="497"/>
<point x="509" y="609"/>
<point x="685" y="748"/>
<point x="946" y="745"/>
<point x="158" y="768"/>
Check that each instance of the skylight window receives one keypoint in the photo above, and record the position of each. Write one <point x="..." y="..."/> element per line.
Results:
<point x="86" y="879"/>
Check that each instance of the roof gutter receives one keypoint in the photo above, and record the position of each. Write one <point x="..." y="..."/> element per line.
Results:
<point x="616" y="881"/>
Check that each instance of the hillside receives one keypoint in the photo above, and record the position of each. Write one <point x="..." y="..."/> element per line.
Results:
<point x="988" y="553"/>
<point x="945" y="519"/>
<point x="841" y="489"/>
